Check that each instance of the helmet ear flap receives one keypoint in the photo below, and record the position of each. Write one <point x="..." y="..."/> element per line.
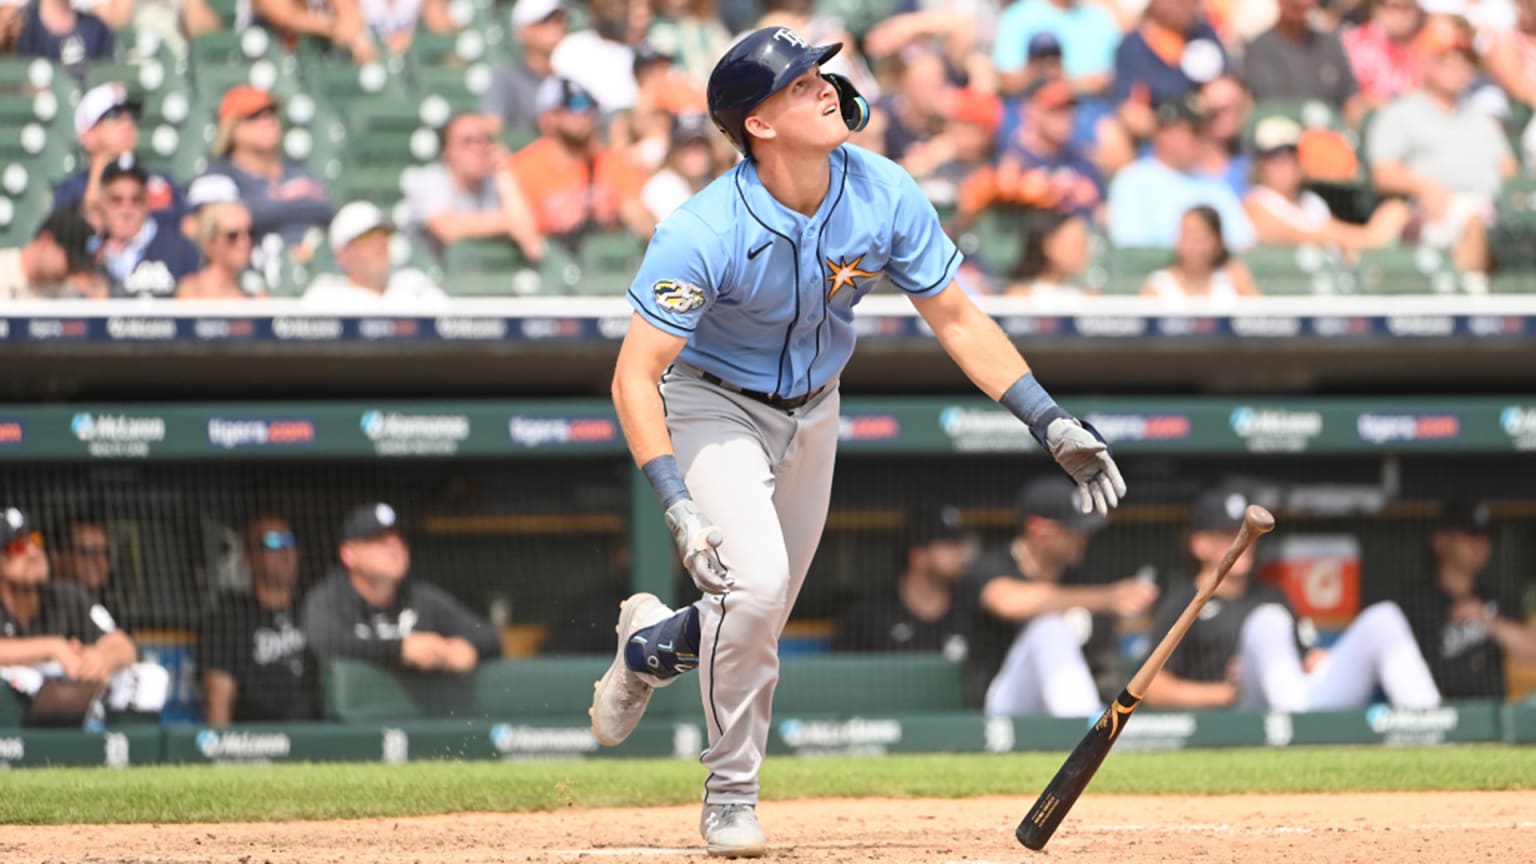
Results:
<point x="854" y="108"/>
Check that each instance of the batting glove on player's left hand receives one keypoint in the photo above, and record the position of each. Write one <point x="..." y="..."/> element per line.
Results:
<point x="1077" y="447"/>
<point x="696" y="542"/>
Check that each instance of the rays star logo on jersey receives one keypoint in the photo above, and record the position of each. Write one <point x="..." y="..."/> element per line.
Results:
<point x="842" y="272"/>
<point x="679" y="297"/>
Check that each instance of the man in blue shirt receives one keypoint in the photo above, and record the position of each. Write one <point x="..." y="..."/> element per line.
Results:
<point x="107" y="126"/>
<point x="744" y="314"/>
<point x="1149" y="197"/>
<point x="1086" y="32"/>
<point x="1173" y="52"/>
<point x="143" y="257"/>
<point x="1043" y="151"/>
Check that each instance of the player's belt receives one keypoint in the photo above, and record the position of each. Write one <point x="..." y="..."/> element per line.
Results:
<point x="770" y="399"/>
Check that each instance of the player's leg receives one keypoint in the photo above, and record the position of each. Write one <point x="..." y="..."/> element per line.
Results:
<point x="803" y="488"/>
<point x="1378" y="648"/>
<point x="1044" y="672"/>
<point x="1269" y="666"/>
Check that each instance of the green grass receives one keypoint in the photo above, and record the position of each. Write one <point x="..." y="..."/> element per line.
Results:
<point x="328" y="791"/>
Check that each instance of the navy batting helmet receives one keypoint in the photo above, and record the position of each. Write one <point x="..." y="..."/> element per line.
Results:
<point x="762" y="64"/>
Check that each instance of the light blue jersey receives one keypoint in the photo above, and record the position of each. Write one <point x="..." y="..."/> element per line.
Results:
<point x="764" y="295"/>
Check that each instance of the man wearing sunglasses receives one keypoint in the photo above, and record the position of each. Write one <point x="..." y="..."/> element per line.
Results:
<point x="250" y="649"/>
<point x="370" y="609"/>
<point x="52" y="629"/>
<point x="82" y="554"/>
<point x="143" y="257"/>
<point x="107" y="126"/>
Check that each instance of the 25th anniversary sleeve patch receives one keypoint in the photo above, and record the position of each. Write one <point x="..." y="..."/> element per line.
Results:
<point x="679" y="297"/>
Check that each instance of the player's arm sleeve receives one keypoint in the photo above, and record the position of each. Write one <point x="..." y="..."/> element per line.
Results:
<point x="923" y="259"/>
<point x="447" y="617"/>
<point x="331" y="637"/>
<point x="680" y="278"/>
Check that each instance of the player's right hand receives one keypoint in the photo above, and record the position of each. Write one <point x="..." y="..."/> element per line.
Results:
<point x="697" y="543"/>
<point x="1079" y="449"/>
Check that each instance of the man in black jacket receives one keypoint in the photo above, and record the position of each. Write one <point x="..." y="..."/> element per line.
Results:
<point x="370" y="610"/>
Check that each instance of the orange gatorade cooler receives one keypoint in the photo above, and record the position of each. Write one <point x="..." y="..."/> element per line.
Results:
<point x="1320" y="575"/>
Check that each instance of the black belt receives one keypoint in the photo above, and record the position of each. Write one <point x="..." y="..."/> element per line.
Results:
<point x="769" y="399"/>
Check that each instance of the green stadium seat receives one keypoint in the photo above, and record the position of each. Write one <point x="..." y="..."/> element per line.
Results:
<point x="1293" y="270"/>
<point x="378" y="185"/>
<point x="231" y="47"/>
<point x="1129" y="267"/>
<point x="389" y="132"/>
<point x="1406" y="271"/>
<point x="343" y="83"/>
<point x="459" y="87"/>
<point x="608" y="263"/>
<point x="485" y="268"/>
<point x="46" y="157"/>
<point x="997" y="238"/>
<point x="31" y="75"/>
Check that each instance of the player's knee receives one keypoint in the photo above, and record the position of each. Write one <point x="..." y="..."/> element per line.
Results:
<point x="1268" y="624"/>
<point x="1384" y="619"/>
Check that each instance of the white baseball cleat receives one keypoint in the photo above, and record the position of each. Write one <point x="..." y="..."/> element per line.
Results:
<point x="619" y="698"/>
<point x="731" y="831"/>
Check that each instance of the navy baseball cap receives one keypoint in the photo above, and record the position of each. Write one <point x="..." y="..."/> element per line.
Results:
<point x="934" y="525"/>
<point x="14" y="524"/>
<point x="1470" y="517"/>
<point x="126" y="165"/>
<point x="1044" y="45"/>
<point x="1219" y="510"/>
<point x="370" y="521"/>
<point x="1058" y="499"/>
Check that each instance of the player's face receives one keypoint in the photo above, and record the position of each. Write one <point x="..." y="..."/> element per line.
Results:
<point x="1464" y="551"/>
<point x="89" y="556"/>
<point x="804" y="116"/>
<point x="22" y="561"/>
<point x="384" y="558"/>
<point x="273" y="553"/>
<point x="947" y="559"/>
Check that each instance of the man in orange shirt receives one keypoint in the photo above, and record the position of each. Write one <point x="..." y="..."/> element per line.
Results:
<point x="571" y="183"/>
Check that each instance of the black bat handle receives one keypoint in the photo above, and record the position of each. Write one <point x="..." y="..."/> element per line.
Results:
<point x="1072" y="778"/>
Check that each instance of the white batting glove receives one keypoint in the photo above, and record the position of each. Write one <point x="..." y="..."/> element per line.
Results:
<point x="696" y="541"/>
<point x="1079" y="450"/>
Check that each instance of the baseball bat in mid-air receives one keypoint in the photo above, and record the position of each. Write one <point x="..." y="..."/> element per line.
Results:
<point x="1062" y="792"/>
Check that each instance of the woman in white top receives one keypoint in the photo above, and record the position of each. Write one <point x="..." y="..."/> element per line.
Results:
<point x="1202" y="267"/>
<point x="1285" y="214"/>
<point x="1054" y="258"/>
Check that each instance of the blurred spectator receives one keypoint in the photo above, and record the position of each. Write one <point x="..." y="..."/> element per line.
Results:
<point x="1284" y="213"/>
<point x="1223" y="115"/>
<point x="538" y="26"/>
<point x="107" y="125"/>
<point x="691" y="164"/>
<point x="1294" y="61"/>
<point x="59" y="261"/>
<point x="82" y="554"/>
<point x="602" y="58"/>
<point x="456" y="198"/>
<point x="1447" y="157"/>
<point x="663" y="92"/>
<point x="142" y="258"/>
<point x="1035" y="615"/>
<point x="1171" y="53"/>
<point x="913" y="113"/>
<point x="56" y="30"/>
<point x="1244" y="650"/>
<point x="572" y="184"/>
<point x="224" y="235"/>
<point x="205" y="190"/>
<point x="1511" y="57"/>
<point x="337" y="24"/>
<point x="1202" y="266"/>
<point x="372" y="609"/>
<point x="1381" y="51"/>
<point x="1082" y="34"/>
<point x="250" y="649"/>
<point x="921" y="611"/>
<point x="818" y="28"/>
<point x="960" y="31"/>
<point x="1055" y="255"/>
<point x="284" y="197"/>
<point x="360" y="239"/>
<point x="1467" y="623"/>
<point x="52" y="629"/>
<point x="160" y="22"/>
<point x="691" y="31"/>
<point x="1149" y="197"/>
<point x="1043" y="158"/>
<point x="391" y="26"/>
<point x="942" y="164"/>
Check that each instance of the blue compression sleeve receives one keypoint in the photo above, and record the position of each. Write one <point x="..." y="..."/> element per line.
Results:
<point x="666" y="479"/>
<point x="1029" y="402"/>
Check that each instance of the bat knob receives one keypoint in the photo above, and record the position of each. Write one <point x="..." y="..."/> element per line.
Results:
<point x="1258" y="520"/>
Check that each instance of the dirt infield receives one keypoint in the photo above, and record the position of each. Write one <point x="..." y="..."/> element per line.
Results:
<point x="1296" y="829"/>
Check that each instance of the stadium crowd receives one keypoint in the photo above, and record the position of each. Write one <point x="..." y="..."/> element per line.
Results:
<point x="1173" y="148"/>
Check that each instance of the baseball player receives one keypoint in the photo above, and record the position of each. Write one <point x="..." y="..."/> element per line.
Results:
<point x="744" y="315"/>
<point x="1244" y="650"/>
